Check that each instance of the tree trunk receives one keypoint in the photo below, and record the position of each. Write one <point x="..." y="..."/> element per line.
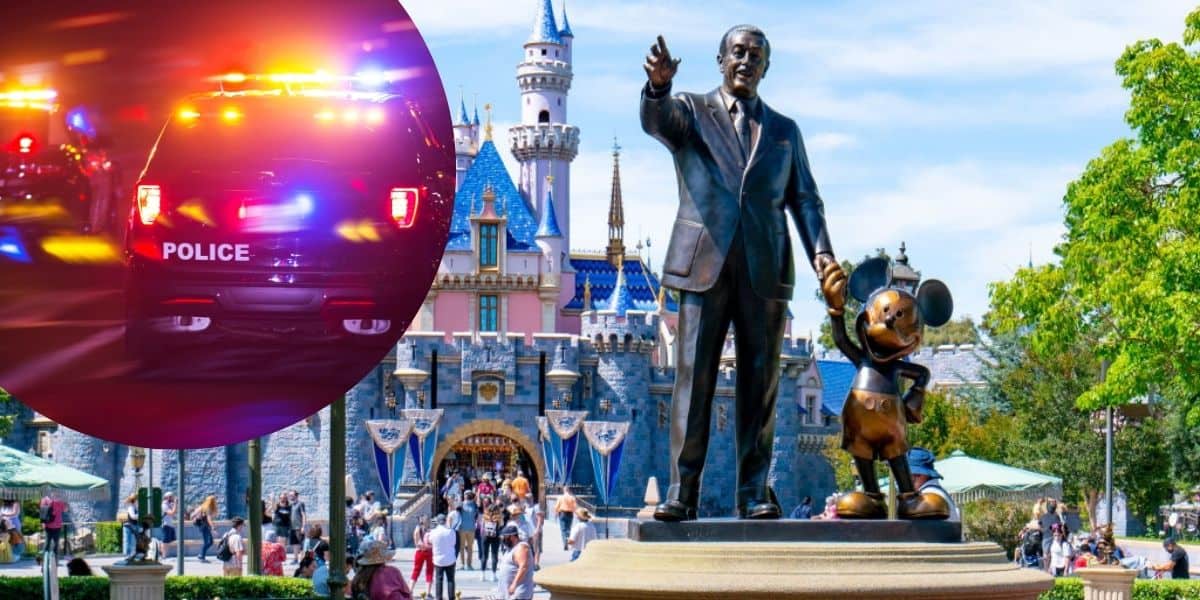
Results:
<point x="1093" y="499"/>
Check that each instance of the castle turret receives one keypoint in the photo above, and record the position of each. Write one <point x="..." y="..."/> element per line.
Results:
<point x="466" y="142"/>
<point x="554" y="256"/>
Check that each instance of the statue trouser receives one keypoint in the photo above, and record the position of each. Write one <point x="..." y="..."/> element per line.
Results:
<point x="704" y="320"/>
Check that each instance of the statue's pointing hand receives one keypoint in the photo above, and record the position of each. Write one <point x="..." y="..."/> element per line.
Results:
<point x="660" y="67"/>
<point x="833" y="286"/>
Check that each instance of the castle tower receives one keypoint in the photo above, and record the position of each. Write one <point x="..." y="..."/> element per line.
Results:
<point x="544" y="144"/>
<point x="616" y="213"/>
<point x="466" y="142"/>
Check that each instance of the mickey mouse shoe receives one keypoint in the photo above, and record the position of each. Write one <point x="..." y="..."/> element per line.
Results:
<point x="927" y="507"/>
<point x="860" y="505"/>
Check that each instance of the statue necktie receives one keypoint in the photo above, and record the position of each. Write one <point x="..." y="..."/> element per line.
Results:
<point x="741" y="124"/>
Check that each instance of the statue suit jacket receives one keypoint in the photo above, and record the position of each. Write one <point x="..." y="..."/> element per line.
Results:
<point x="718" y="190"/>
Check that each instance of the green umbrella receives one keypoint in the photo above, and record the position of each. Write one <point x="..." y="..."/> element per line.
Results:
<point x="25" y="477"/>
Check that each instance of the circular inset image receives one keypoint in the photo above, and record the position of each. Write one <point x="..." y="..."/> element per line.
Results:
<point x="215" y="217"/>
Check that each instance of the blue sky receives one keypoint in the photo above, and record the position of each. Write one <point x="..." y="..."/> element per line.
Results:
<point x="952" y="126"/>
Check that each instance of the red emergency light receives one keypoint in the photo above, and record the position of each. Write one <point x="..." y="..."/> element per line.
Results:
<point x="404" y="206"/>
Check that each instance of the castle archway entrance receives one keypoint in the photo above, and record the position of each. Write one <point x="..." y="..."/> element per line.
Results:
<point x="488" y="446"/>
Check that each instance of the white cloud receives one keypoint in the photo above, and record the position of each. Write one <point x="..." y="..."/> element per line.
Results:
<point x="829" y="141"/>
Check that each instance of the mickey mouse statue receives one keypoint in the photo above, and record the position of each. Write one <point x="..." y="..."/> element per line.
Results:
<point x="874" y="418"/>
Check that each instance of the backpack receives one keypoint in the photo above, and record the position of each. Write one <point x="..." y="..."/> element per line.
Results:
<point x="1033" y="541"/>
<point x="224" y="554"/>
<point x="46" y="513"/>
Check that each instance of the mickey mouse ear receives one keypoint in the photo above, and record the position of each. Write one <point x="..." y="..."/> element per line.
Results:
<point x="868" y="276"/>
<point x="935" y="302"/>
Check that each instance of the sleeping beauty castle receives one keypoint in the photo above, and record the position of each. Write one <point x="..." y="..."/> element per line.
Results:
<point x="526" y="354"/>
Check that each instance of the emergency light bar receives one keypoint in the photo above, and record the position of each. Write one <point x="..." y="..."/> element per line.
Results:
<point x="37" y="99"/>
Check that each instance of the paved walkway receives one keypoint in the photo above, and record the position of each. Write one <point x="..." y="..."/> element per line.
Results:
<point x="468" y="581"/>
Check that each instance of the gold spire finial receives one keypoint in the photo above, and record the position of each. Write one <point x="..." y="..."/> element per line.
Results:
<point x="550" y="179"/>
<point x="487" y="129"/>
<point x="662" y="298"/>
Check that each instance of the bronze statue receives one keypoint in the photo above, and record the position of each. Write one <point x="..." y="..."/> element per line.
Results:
<point x="874" y="417"/>
<point x="741" y="168"/>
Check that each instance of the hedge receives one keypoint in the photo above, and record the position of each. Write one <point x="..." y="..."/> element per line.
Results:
<point x="108" y="536"/>
<point x="188" y="587"/>
<point x="1071" y="588"/>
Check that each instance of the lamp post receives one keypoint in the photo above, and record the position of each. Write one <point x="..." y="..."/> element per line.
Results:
<point x="1108" y="450"/>
<point x="137" y="456"/>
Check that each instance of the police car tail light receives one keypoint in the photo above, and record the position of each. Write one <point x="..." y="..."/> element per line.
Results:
<point x="149" y="203"/>
<point x="404" y="206"/>
<point x="25" y="143"/>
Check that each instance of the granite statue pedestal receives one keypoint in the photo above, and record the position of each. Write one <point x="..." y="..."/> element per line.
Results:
<point x="726" y="558"/>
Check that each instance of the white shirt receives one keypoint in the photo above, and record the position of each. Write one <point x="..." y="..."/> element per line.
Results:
<point x="442" y="539"/>
<point x="1060" y="553"/>
<point x="582" y="532"/>
<point x="168" y="520"/>
<point x="236" y="547"/>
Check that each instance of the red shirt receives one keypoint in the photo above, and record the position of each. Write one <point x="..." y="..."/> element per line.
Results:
<point x="273" y="556"/>
<point x="59" y="508"/>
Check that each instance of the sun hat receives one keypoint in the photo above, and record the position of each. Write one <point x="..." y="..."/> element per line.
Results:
<point x="920" y="462"/>
<point x="515" y="508"/>
<point x="374" y="552"/>
<point x="582" y="514"/>
<point x="509" y="529"/>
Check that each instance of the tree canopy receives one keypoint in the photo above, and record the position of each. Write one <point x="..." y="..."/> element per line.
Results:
<point x="1127" y="284"/>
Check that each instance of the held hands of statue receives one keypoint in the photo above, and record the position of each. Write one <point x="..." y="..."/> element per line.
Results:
<point x="833" y="286"/>
<point x="660" y="67"/>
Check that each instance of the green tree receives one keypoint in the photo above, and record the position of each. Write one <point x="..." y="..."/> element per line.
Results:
<point x="7" y="405"/>
<point x="955" y="332"/>
<point x="951" y="423"/>
<point x="1128" y="278"/>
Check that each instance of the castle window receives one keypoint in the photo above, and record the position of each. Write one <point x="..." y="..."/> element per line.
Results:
<point x="488" y="312"/>
<point x="543" y="51"/>
<point x="560" y="101"/>
<point x="556" y="52"/>
<point x="544" y="116"/>
<point x="488" y="240"/>
<point x="814" y="410"/>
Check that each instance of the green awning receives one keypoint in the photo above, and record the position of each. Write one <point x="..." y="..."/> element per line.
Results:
<point x="25" y="476"/>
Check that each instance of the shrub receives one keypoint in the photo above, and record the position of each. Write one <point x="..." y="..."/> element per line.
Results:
<point x="994" y="521"/>
<point x="30" y="523"/>
<point x="108" y="536"/>
<point x="1071" y="588"/>
<point x="177" y="588"/>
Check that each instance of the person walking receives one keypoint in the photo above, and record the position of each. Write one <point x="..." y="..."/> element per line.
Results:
<point x="314" y="545"/>
<point x="374" y="578"/>
<point x="424" y="555"/>
<point x="1049" y="521"/>
<point x="170" y="509"/>
<point x="925" y="478"/>
<point x="520" y="485"/>
<point x="565" y="508"/>
<point x="281" y="519"/>
<point x="467" y="530"/>
<point x="493" y="522"/>
<point x="273" y="554"/>
<point x="1177" y="560"/>
<point x="51" y="511"/>
<point x="1060" y="553"/>
<point x="515" y="581"/>
<point x="202" y="517"/>
<point x="537" y="519"/>
<point x="582" y="532"/>
<point x="299" y="524"/>
<point x="443" y="539"/>
<point x="232" y="566"/>
<point x="129" y="525"/>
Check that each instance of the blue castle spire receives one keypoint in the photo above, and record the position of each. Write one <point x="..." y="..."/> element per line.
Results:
<point x="462" y="111"/>
<point x="620" y="301"/>
<point x="545" y="29"/>
<point x="566" y="28"/>
<point x="548" y="224"/>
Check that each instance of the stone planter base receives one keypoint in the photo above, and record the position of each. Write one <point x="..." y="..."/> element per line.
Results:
<point x="626" y="569"/>
<point x="137" y="582"/>
<point x="1107" y="583"/>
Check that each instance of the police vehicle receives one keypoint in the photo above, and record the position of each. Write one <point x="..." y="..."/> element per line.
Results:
<point x="279" y="208"/>
<point x="46" y="181"/>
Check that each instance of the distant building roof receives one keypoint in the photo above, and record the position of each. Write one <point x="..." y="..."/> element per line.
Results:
<point x="548" y="225"/>
<point x="836" y="377"/>
<point x="545" y="30"/>
<point x="488" y="170"/>
<point x="640" y="282"/>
